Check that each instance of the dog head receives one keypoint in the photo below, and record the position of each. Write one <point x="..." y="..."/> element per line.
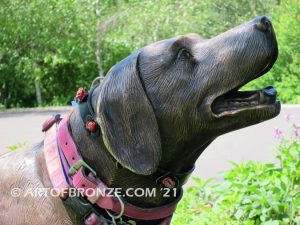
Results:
<point x="183" y="92"/>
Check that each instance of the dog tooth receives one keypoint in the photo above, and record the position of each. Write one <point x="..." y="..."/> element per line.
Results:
<point x="261" y="98"/>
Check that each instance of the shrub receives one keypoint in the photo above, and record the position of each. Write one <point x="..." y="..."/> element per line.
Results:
<point x="252" y="192"/>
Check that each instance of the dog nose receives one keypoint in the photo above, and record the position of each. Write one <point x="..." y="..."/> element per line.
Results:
<point x="263" y="24"/>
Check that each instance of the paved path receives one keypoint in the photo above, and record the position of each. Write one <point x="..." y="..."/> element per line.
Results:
<point x="252" y="143"/>
<point x="22" y="126"/>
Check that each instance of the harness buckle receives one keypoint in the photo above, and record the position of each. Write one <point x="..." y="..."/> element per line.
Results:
<point x="80" y="163"/>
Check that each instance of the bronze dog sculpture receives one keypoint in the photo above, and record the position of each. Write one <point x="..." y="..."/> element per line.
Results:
<point x="158" y="108"/>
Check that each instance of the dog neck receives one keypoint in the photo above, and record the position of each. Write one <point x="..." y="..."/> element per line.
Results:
<point x="94" y="152"/>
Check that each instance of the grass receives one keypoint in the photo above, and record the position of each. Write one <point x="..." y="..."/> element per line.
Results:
<point x="17" y="146"/>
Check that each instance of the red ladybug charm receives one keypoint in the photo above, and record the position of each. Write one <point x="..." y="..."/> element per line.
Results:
<point x="91" y="126"/>
<point x="168" y="182"/>
<point x="81" y="94"/>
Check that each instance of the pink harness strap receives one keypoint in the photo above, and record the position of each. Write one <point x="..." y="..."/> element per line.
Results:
<point x="53" y="162"/>
<point x="108" y="202"/>
<point x="91" y="182"/>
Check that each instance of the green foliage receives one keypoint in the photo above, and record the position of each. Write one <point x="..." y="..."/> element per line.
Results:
<point x="45" y="41"/>
<point x="17" y="146"/>
<point x="252" y="193"/>
<point x="285" y="75"/>
<point x="53" y="43"/>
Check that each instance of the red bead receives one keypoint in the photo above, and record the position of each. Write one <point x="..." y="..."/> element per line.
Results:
<point x="168" y="182"/>
<point x="81" y="94"/>
<point x="91" y="126"/>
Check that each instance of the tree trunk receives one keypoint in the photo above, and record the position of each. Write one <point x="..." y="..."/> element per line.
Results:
<point x="98" y="39"/>
<point x="38" y="93"/>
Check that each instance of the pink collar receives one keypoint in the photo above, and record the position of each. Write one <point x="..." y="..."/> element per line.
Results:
<point x="59" y="138"/>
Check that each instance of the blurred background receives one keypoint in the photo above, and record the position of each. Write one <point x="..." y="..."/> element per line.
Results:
<point x="50" y="48"/>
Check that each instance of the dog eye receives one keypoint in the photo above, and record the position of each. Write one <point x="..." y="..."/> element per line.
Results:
<point x="183" y="52"/>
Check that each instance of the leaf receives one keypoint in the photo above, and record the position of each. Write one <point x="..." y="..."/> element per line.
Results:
<point x="234" y="163"/>
<point x="246" y="201"/>
<point x="271" y="222"/>
<point x="198" y="180"/>
<point x="297" y="220"/>
<point x="239" y="214"/>
<point x="207" y="181"/>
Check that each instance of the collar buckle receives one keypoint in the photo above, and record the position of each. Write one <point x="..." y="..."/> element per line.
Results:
<point x="76" y="166"/>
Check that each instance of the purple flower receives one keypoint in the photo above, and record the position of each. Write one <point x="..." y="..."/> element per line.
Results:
<point x="288" y="117"/>
<point x="278" y="133"/>
<point x="297" y="134"/>
<point x="297" y="130"/>
<point x="297" y="126"/>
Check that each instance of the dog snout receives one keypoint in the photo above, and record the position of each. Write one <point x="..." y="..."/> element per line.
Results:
<point x="263" y="24"/>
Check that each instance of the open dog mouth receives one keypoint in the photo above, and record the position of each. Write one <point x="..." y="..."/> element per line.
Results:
<point x="235" y="100"/>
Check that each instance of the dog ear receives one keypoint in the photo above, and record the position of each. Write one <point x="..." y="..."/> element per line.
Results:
<point x="126" y="118"/>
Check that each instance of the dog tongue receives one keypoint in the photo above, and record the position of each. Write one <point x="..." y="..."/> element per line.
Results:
<point x="267" y="95"/>
<point x="270" y="91"/>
